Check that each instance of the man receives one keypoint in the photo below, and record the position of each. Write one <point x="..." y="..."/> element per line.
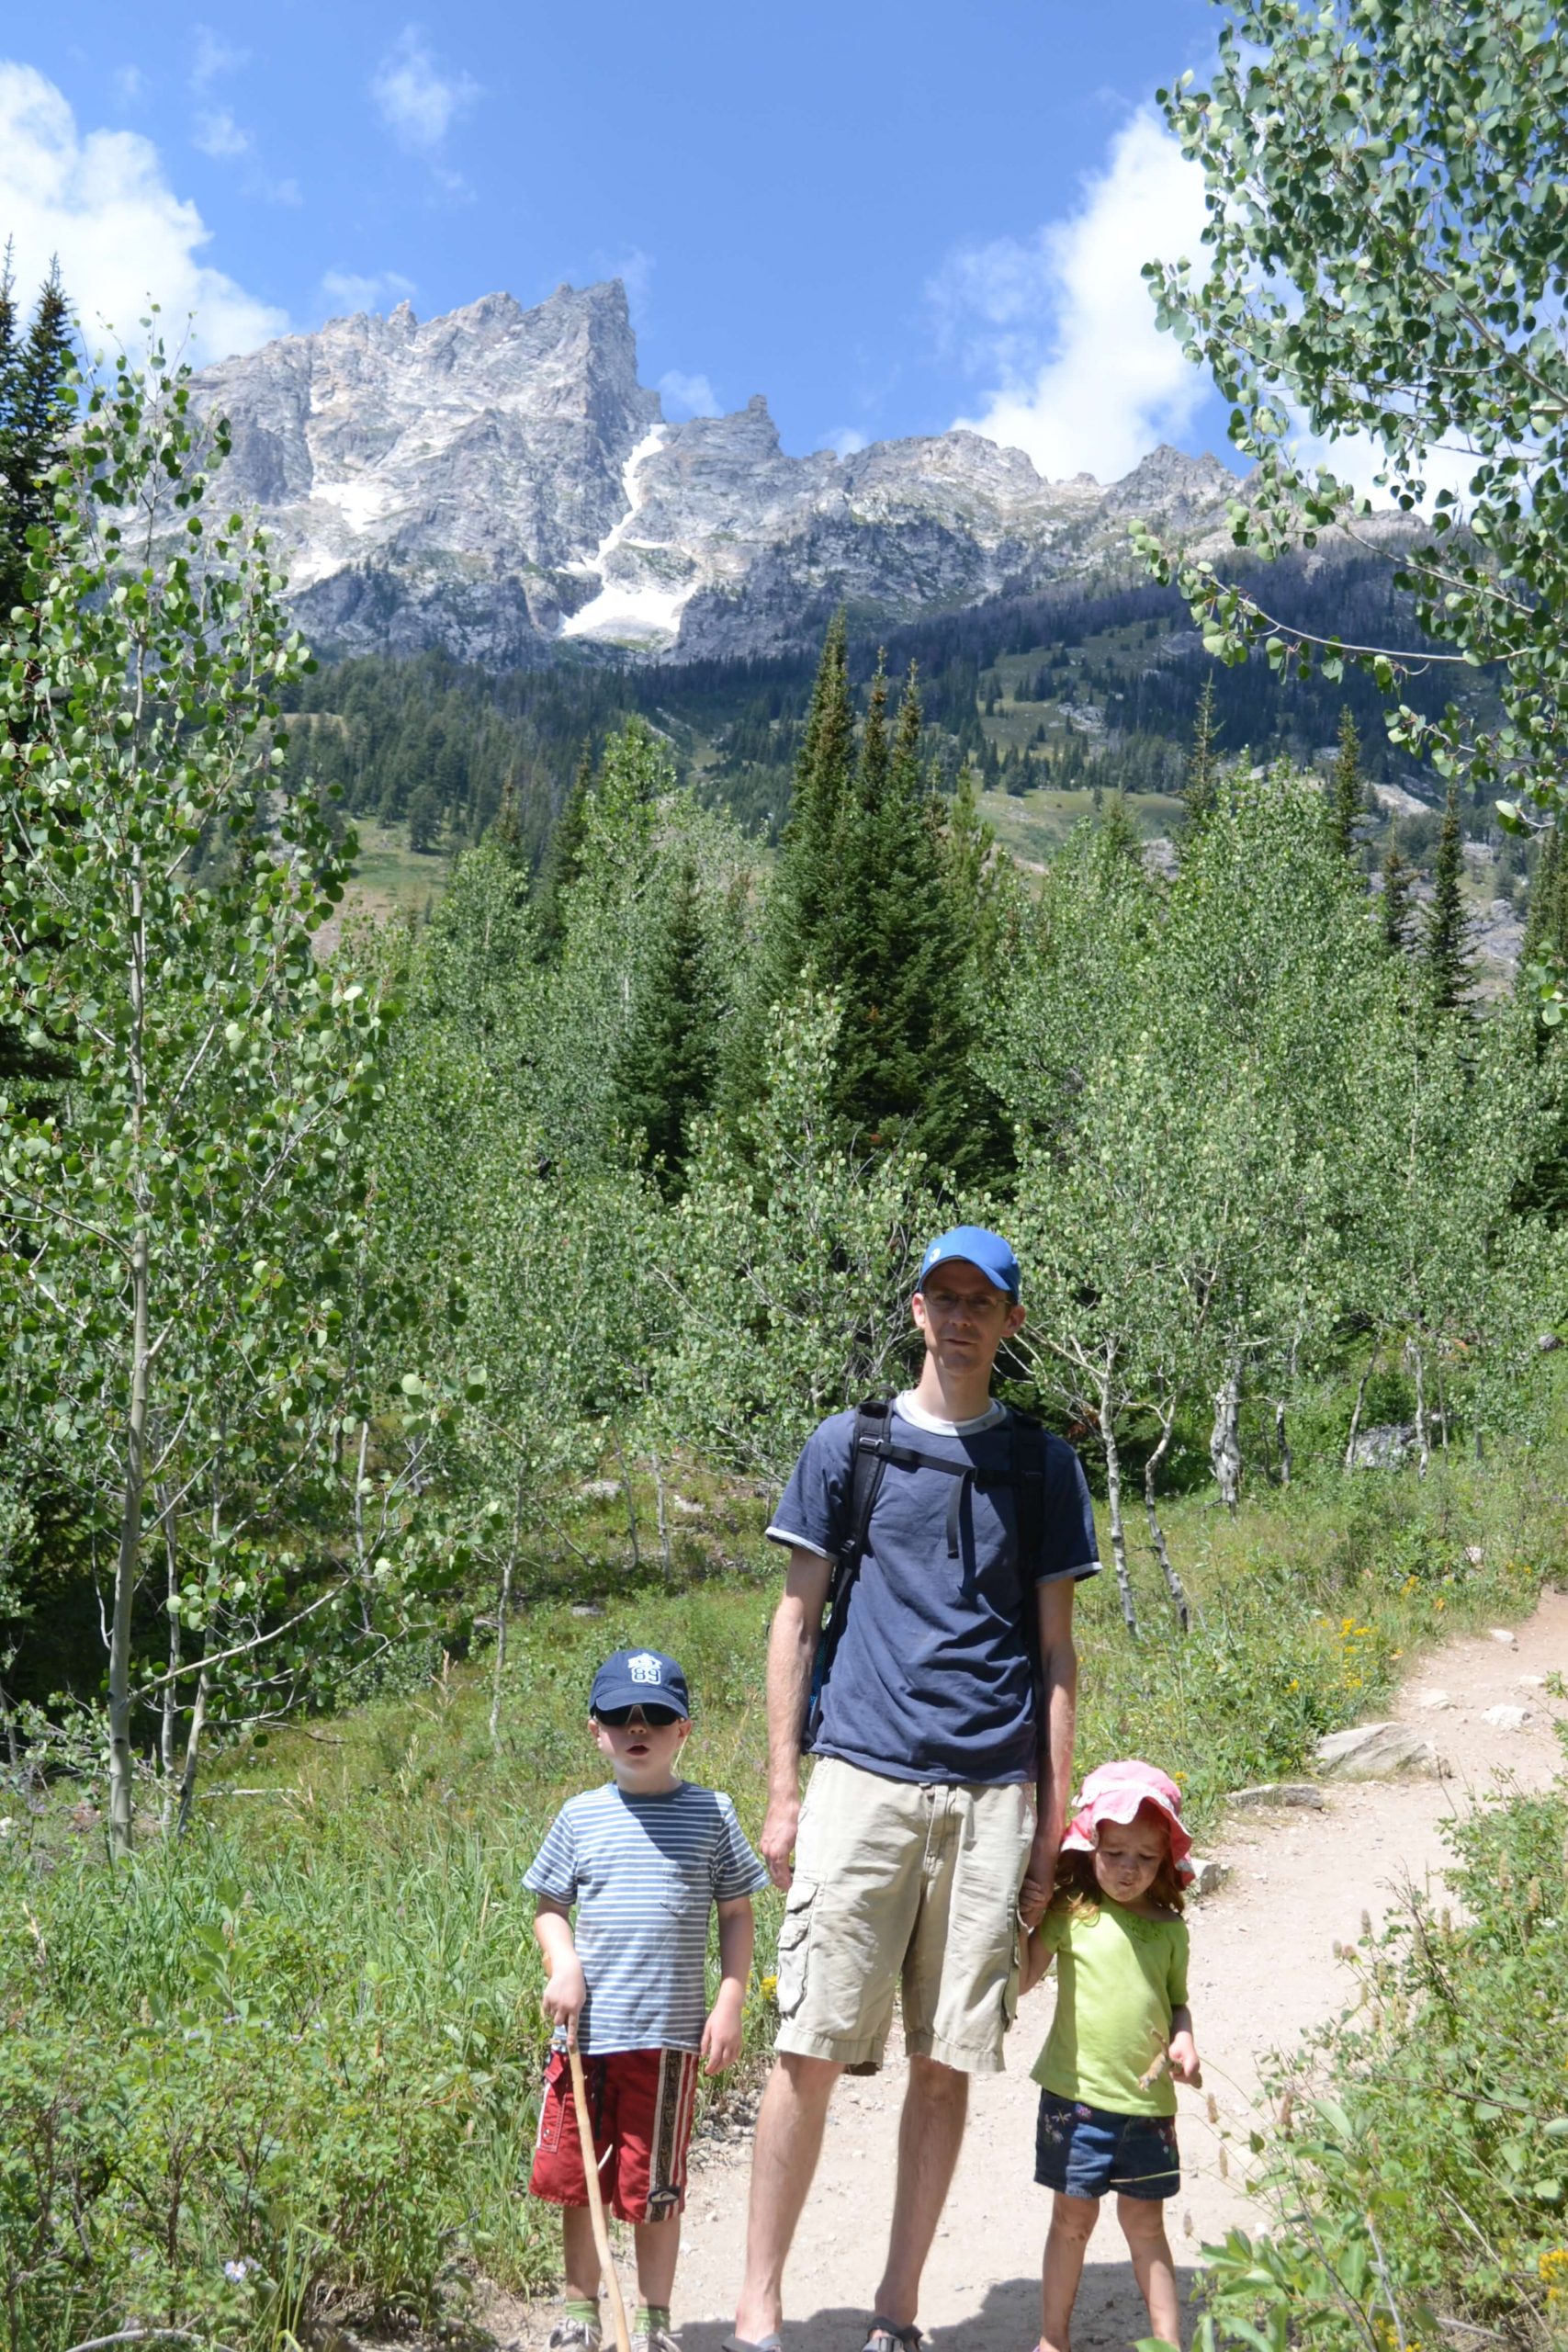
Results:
<point x="936" y="1801"/>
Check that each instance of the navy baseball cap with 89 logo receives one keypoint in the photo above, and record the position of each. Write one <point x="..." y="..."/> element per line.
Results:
<point x="639" y="1679"/>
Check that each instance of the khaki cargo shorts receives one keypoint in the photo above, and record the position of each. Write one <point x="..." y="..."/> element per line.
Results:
<point x="903" y="1886"/>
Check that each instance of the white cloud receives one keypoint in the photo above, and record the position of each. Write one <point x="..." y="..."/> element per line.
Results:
<point x="214" y="57"/>
<point x="286" y="192"/>
<point x="348" y="291"/>
<point x="416" y="101"/>
<point x="1060" y="329"/>
<point x="216" y="133"/>
<point x="687" y="395"/>
<point x="130" y="84"/>
<point x="100" y="200"/>
<point x="846" y="440"/>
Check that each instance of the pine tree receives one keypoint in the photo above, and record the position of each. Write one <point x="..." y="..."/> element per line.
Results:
<point x="809" y="898"/>
<point x="35" y="411"/>
<point x="507" y="830"/>
<point x="902" y="975"/>
<point x="1546" y="924"/>
<point x="1345" y="798"/>
<point x="1394" y="907"/>
<point x="563" y="858"/>
<point x="1118" y="835"/>
<point x="668" y="1063"/>
<point x="800" y="928"/>
<point x="1446" y="954"/>
<point x="1202" y="760"/>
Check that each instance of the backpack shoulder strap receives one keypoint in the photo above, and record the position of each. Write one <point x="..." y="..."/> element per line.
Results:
<point x="1029" y="1484"/>
<point x="873" y="1444"/>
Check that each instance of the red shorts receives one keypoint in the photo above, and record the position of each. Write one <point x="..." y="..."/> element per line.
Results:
<point x="640" y="2105"/>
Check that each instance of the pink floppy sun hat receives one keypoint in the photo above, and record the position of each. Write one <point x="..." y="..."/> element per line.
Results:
<point x="1119" y="1792"/>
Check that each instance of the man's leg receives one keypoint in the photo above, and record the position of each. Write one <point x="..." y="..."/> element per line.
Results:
<point x="931" y="2131"/>
<point x="783" y="2161"/>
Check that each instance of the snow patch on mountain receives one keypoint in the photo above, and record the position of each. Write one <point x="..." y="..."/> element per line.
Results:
<point x="632" y="607"/>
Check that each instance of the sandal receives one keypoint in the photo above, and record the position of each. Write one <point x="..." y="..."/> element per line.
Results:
<point x="884" y="2337"/>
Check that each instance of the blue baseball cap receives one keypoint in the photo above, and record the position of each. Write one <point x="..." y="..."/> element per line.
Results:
<point x="977" y="1247"/>
<point x="639" y="1679"/>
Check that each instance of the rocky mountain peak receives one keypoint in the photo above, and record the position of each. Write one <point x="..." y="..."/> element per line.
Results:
<point x="498" y="482"/>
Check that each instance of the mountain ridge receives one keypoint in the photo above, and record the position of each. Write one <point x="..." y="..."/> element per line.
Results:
<point x="498" y="483"/>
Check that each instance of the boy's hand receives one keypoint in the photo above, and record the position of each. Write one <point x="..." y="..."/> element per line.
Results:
<point x="1184" y="2060"/>
<point x="566" y="1990"/>
<point x="721" y="2034"/>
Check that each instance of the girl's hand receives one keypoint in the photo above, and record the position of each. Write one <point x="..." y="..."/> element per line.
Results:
<point x="1033" y="1960"/>
<point x="1184" y="2060"/>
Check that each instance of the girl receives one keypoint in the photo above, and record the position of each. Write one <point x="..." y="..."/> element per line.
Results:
<point x="1121" y="2030"/>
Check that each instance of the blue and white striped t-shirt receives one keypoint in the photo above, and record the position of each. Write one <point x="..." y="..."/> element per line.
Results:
<point x="645" y="1872"/>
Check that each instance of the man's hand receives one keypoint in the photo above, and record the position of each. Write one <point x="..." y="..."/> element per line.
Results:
<point x="1040" y="1877"/>
<point x="721" y="2034"/>
<point x="777" y="1840"/>
<point x="1184" y="2063"/>
<point x="566" y="1989"/>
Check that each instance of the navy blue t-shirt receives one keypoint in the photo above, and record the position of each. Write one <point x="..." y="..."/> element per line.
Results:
<point x="931" y="1678"/>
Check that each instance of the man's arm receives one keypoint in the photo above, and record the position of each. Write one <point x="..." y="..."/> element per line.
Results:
<point x="791" y="1649"/>
<point x="1059" y="1668"/>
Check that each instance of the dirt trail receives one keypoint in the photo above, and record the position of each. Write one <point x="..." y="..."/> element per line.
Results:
<point x="1263" y="1972"/>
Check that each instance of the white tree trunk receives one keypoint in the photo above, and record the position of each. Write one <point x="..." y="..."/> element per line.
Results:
<point x="1367" y="1371"/>
<point x="1113" y="1494"/>
<point x="170" y="1711"/>
<point x="661" y="1506"/>
<point x="193" y="1744"/>
<point x="1173" y="1583"/>
<point x="128" y="1560"/>
<point x="1225" y="1443"/>
<point x="628" y="1492"/>
<point x="503" y="1612"/>
<point x="1417" y="1361"/>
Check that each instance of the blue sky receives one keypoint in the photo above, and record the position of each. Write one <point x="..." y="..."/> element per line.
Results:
<point x="887" y="219"/>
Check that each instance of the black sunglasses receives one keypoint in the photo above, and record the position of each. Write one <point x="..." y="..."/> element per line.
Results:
<point x="656" y="1718"/>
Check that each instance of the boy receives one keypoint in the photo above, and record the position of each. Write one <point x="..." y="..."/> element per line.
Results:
<point x="643" y="1858"/>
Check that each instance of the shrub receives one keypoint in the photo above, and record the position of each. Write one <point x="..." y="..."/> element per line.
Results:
<point x="1420" y="2168"/>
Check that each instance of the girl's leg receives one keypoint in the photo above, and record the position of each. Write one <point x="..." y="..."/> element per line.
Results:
<point x="658" y="2244"/>
<point x="580" y="2256"/>
<point x="1143" y="2225"/>
<point x="1072" y="2225"/>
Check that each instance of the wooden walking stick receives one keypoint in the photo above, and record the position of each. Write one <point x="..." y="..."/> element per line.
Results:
<point x="596" y="2201"/>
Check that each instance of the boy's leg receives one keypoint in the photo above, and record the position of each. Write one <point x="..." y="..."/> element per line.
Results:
<point x="579" y="2256"/>
<point x="658" y="2244"/>
<point x="1143" y="2225"/>
<point x="1072" y="2226"/>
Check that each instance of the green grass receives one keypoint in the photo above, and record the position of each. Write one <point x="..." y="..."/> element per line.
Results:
<point x="389" y="877"/>
<point x="308" y="2040"/>
<point x="1034" y="825"/>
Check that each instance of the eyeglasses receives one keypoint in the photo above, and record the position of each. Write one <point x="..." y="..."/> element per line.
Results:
<point x="656" y="1718"/>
